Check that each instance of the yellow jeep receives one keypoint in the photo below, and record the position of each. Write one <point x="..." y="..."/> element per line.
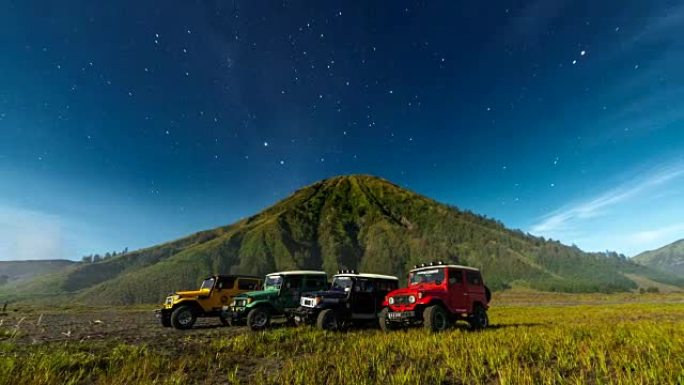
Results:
<point x="182" y="308"/>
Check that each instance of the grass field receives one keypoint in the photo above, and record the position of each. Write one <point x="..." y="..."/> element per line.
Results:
<point x="534" y="339"/>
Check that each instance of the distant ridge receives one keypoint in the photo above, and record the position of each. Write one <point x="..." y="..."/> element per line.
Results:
<point x="668" y="258"/>
<point x="15" y="272"/>
<point x="357" y="221"/>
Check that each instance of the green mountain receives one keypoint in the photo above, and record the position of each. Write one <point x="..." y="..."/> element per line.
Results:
<point x="668" y="258"/>
<point x="16" y="272"/>
<point x="359" y="222"/>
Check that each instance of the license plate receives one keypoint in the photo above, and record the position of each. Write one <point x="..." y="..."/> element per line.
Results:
<point x="401" y="314"/>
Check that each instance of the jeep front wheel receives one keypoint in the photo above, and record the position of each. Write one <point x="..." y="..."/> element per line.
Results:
<point x="479" y="319"/>
<point x="259" y="318"/>
<point x="385" y="324"/>
<point x="166" y="320"/>
<point x="183" y="317"/>
<point x="435" y="318"/>
<point x="327" y="320"/>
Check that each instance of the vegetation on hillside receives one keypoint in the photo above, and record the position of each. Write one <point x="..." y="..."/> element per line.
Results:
<point x="669" y="258"/>
<point x="359" y="222"/>
<point x="14" y="272"/>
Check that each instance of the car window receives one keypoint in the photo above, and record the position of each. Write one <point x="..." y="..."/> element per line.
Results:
<point x="225" y="283"/>
<point x="293" y="282"/>
<point x="363" y="286"/>
<point x="455" y="277"/>
<point x="248" y="284"/>
<point x="386" y="285"/>
<point x="473" y="278"/>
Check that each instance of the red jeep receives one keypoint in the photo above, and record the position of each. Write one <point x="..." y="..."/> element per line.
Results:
<point x="438" y="295"/>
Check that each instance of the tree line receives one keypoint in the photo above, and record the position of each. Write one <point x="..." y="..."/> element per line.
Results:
<point x="93" y="258"/>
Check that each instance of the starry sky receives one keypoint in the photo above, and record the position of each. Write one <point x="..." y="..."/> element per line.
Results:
<point x="126" y="124"/>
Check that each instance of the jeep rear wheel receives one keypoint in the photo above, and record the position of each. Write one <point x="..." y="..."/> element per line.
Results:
<point x="479" y="319"/>
<point x="183" y="317"/>
<point x="259" y="318"/>
<point x="435" y="318"/>
<point x="327" y="320"/>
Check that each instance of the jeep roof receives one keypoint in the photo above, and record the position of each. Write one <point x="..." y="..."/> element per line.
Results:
<point x="364" y="275"/>
<point x="298" y="272"/>
<point x="234" y="276"/>
<point x="428" y="267"/>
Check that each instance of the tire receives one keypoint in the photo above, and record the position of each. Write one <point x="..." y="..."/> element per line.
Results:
<point x="259" y="318"/>
<point x="385" y="323"/>
<point x="435" y="318"/>
<point x="165" y="320"/>
<point x="479" y="319"/>
<point x="328" y="320"/>
<point x="224" y="321"/>
<point x="183" y="317"/>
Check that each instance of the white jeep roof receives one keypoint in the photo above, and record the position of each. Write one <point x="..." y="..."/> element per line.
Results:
<point x="449" y="266"/>
<point x="298" y="272"/>
<point x="364" y="275"/>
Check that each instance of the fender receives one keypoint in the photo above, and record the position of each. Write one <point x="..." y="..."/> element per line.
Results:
<point x="190" y="301"/>
<point x="261" y="303"/>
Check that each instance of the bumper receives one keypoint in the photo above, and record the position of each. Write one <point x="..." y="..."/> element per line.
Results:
<point x="401" y="316"/>
<point x="159" y="313"/>
<point x="305" y="315"/>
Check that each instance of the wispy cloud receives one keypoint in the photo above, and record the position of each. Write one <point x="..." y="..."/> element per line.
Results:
<point x="27" y="234"/>
<point x="660" y="235"/>
<point x="571" y="218"/>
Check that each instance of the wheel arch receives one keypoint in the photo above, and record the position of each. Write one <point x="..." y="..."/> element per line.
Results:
<point x="194" y="305"/>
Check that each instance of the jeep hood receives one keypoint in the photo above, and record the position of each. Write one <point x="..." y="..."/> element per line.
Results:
<point x="192" y="293"/>
<point x="414" y="290"/>
<point x="259" y="295"/>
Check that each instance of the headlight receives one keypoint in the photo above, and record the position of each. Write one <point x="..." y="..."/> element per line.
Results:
<point x="231" y="304"/>
<point x="317" y="300"/>
<point x="391" y="301"/>
<point x="250" y="299"/>
<point x="412" y="299"/>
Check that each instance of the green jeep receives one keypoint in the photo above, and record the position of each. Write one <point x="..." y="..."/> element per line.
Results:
<point x="279" y="298"/>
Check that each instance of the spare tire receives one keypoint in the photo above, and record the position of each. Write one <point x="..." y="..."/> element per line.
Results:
<point x="488" y="294"/>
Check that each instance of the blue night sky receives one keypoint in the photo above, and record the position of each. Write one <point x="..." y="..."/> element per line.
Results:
<point x="126" y="124"/>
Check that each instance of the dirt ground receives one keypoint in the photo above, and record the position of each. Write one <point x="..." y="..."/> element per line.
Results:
<point x="122" y="326"/>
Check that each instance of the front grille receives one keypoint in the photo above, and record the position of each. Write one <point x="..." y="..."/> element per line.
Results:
<point x="169" y="301"/>
<point x="240" y="303"/>
<point x="401" y="300"/>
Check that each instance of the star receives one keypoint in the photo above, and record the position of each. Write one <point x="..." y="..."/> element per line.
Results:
<point x="282" y="162"/>
<point x="265" y="144"/>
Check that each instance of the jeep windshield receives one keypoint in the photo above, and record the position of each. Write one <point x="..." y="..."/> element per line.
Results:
<point x="207" y="284"/>
<point x="434" y="276"/>
<point x="273" y="282"/>
<point x="342" y="284"/>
